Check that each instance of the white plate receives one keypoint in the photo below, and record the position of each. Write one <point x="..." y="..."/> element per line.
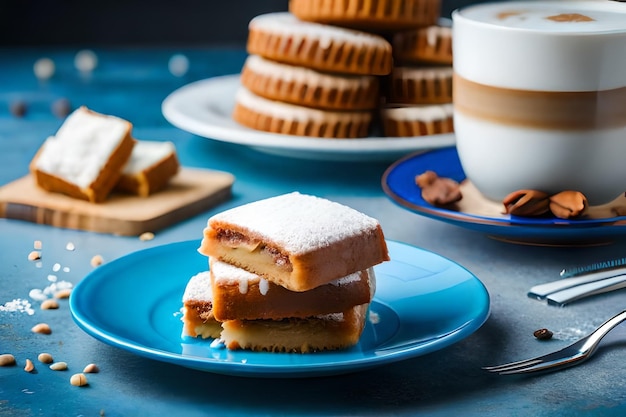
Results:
<point x="204" y="108"/>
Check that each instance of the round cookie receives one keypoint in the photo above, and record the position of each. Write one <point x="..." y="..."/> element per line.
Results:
<point x="284" y="38"/>
<point x="307" y="87"/>
<point x="420" y="85"/>
<point x="370" y="15"/>
<point x="432" y="44"/>
<point x="277" y="117"/>
<point x="432" y="119"/>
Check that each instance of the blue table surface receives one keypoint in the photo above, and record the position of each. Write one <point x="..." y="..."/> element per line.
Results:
<point x="132" y="83"/>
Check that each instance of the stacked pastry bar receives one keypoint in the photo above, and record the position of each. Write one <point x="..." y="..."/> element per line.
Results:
<point x="291" y="273"/>
<point x="335" y="69"/>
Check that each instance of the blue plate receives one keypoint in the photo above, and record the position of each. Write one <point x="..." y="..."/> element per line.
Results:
<point x="423" y="303"/>
<point x="477" y="213"/>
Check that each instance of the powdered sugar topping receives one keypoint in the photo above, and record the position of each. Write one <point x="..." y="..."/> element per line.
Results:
<point x="199" y="288"/>
<point x="81" y="147"/>
<point x="287" y="24"/>
<point x="300" y="74"/>
<point x="297" y="222"/>
<point x="146" y="154"/>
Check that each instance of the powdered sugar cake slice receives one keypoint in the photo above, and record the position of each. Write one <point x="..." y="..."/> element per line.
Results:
<point x="239" y="294"/>
<point x="85" y="157"/>
<point x="294" y="240"/>
<point x="150" y="167"/>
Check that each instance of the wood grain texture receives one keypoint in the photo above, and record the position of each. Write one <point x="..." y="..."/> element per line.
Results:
<point x="190" y="192"/>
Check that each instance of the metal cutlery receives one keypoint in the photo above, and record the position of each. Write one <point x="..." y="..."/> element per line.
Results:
<point x="571" y="355"/>
<point x="582" y="282"/>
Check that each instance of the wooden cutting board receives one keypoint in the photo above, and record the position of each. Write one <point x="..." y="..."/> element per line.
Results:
<point x="190" y="192"/>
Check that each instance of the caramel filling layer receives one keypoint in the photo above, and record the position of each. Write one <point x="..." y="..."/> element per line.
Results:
<point x="541" y="109"/>
<point x="235" y="241"/>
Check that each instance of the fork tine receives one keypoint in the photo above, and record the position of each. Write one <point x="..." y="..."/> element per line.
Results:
<point x="544" y="366"/>
<point x="513" y="365"/>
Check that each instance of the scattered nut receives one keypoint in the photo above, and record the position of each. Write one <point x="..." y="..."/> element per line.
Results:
<point x="97" y="260"/>
<point x="42" y="328"/>
<point x="438" y="191"/>
<point x="145" y="236"/>
<point x="37" y="244"/>
<point x="426" y="178"/>
<point x="34" y="256"/>
<point x="58" y="366"/>
<point x="526" y="203"/>
<point x="29" y="366"/>
<point x="92" y="368"/>
<point x="64" y="293"/>
<point x="49" y="304"/>
<point x="45" y="358"/>
<point x="78" y="380"/>
<point x="543" y="334"/>
<point x="567" y="204"/>
<point x="7" y="359"/>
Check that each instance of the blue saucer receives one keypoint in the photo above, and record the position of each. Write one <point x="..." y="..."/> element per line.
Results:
<point x="423" y="303"/>
<point x="398" y="182"/>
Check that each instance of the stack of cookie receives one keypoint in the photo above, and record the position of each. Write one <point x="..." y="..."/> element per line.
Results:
<point x="310" y="79"/>
<point x="292" y="273"/>
<point x="320" y="70"/>
<point x="419" y="89"/>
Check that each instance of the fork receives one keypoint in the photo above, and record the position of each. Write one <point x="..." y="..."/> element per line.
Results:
<point x="571" y="355"/>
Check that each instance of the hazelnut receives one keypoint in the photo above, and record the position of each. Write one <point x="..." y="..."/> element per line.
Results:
<point x="526" y="203"/>
<point x="568" y="204"/>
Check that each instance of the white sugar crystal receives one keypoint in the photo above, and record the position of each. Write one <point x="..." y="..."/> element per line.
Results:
<point x="37" y="294"/>
<point x="17" y="305"/>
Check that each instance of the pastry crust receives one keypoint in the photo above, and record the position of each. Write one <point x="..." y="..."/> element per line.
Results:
<point x="379" y="15"/>
<point x="238" y="294"/>
<point x="307" y="87"/>
<point x="296" y="241"/>
<point x="313" y="334"/>
<point x="284" y="38"/>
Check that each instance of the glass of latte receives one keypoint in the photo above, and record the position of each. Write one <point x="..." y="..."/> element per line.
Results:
<point x="540" y="97"/>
